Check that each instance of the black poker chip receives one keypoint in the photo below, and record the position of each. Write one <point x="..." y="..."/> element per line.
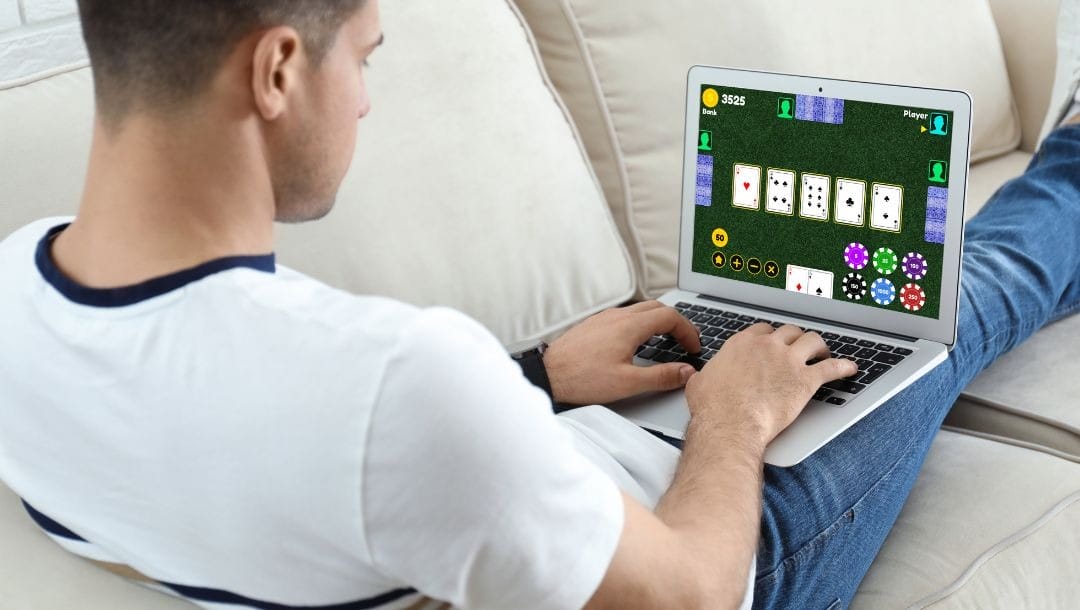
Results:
<point x="854" y="286"/>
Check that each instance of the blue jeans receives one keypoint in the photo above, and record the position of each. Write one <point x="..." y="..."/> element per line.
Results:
<point x="825" y="519"/>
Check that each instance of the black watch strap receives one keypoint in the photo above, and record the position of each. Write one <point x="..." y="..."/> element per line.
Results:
<point x="532" y="366"/>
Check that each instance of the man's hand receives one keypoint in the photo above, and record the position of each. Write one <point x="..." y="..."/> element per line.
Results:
<point x="593" y="362"/>
<point x="760" y="380"/>
<point x="694" y="552"/>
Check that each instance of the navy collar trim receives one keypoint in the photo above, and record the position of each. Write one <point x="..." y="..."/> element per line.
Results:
<point x="136" y="293"/>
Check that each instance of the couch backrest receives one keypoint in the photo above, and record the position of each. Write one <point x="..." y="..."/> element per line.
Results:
<point x="621" y="67"/>
<point x="469" y="187"/>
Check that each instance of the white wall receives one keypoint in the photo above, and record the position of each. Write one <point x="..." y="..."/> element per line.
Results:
<point x="38" y="37"/>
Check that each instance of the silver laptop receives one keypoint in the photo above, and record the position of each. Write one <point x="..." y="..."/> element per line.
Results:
<point x="834" y="205"/>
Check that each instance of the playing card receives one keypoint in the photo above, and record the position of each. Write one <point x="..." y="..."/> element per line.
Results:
<point x="850" y="201"/>
<point x="820" y="284"/>
<point x="780" y="192"/>
<point x="814" y="197"/>
<point x="798" y="278"/>
<point x="886" y="207"/>
<point x="746" y="187"/>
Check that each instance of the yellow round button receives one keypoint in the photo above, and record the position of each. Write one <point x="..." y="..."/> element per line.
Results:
<point x="772" y="269"/>
<point x="719" y="238"/>
<point x="710" y="98"/>
<point x="719" y="260"/>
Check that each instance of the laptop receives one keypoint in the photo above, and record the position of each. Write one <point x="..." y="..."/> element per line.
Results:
<point x="833" y="205"/>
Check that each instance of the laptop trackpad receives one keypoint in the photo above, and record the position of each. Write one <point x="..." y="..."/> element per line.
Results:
<point x="664" y="412"/>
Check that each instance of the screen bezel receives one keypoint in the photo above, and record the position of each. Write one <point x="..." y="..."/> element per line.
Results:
<point x="942" y="329"/>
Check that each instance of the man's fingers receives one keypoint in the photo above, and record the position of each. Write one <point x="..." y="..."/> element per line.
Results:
<point x="643" y="306"/>
<point x="668" y="321"/>
<point x="659" y="377"/>
<point x="834" y="368"/>
<point x="810" y="346"/>
<point x="789" y="333"/>
<point x="760" y="328"/>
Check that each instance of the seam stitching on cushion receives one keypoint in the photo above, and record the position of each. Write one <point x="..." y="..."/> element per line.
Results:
<point x="44" y="75"/>
<point x="1006" y="440"/>
<point x="613" y="136"/>
<point x="993" y="404"/>
<point x="538" y="56"/>
<point x="995" y="550"/>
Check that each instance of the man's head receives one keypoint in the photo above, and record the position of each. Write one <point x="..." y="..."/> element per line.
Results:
<point x="292" y="67"/>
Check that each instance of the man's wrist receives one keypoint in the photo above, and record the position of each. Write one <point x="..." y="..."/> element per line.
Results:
<point x="747" y="435"/>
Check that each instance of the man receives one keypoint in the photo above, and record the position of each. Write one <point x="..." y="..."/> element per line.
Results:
<point x="197" y="416"/>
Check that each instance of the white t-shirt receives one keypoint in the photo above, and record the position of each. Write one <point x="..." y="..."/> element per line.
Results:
<point x="249" y="436"/>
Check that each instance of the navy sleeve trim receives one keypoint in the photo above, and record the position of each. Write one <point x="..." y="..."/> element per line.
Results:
<point x="130" y="295"/>
<point x="49" y="525"/>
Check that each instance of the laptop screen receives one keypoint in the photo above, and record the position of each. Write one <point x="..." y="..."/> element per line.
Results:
<point x="825" y="197"/>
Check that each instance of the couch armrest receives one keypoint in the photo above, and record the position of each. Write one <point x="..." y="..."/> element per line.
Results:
<point x="1028" y="36"/>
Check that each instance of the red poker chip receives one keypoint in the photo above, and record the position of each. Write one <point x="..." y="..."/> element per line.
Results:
<point x="913" y="297"/>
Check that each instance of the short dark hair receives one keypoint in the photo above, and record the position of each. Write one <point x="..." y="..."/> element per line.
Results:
<point x="162" y="53"/>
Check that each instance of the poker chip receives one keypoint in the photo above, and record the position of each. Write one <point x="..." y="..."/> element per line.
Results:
<point x="914" y="265"/>
<point x="885" y="260"/>
<point x="913" y="297"/>
<point x="856" y="255"/>
<point x="854" y="286"/>
<point x="883" y="292"/>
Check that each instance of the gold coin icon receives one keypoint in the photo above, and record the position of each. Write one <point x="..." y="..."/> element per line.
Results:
<point x="719" y="238"/>
<point x="710" y="98"/>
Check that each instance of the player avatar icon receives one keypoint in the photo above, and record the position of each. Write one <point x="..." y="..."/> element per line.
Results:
<point x="939" y="172"/>
<point x="783" y="108"/>
<point x="939" y="124"/>
<point x="706" y="141"/>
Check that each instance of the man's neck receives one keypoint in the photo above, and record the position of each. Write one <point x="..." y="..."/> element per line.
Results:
<point x="161" y="197"/>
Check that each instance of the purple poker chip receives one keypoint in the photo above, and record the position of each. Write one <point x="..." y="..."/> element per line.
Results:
<point x="914" y="265"/>
<point x="856" y="255"/>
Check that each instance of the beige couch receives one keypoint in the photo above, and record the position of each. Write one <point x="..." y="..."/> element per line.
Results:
<point x="522" y="164"/>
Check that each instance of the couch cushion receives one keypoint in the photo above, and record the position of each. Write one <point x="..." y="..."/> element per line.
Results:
<point x="469" y="187"/>
<point x="988" y="525"/>
<point x="35" y="573"/>
<point x="986" y="178"/>
<point x="1027" y="37"/>
<point x="621" y="67"/>
<point x="1030" y="394"/>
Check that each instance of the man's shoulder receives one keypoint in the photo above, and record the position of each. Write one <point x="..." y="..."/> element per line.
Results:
<point x="28" y="236"/>
<point x="293" y="298"/>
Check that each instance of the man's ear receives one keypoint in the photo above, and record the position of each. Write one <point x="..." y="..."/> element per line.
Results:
<point x="276" y="64"/>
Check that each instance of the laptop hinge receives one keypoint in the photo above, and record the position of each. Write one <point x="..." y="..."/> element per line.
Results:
<point x="812" y="319"/>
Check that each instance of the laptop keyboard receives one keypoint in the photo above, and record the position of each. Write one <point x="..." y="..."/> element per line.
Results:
<point x="717" y="326"/>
